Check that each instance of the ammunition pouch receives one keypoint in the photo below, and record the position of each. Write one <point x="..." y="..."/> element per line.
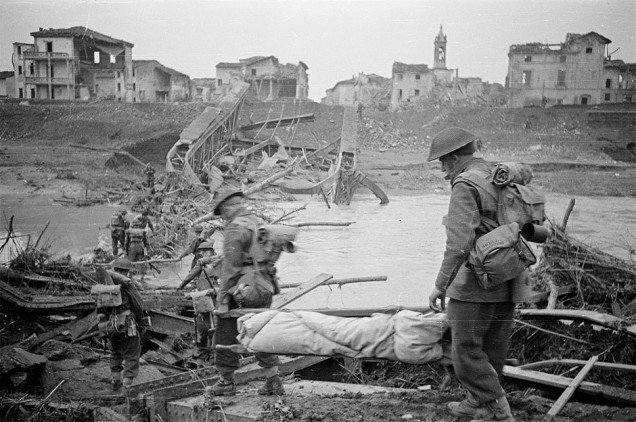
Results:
<point x="253" y="290"/>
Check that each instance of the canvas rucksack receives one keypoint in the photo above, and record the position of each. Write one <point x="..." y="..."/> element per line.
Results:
<point x="503" y="254"/>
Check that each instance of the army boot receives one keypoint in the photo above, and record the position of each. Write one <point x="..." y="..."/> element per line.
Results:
<point x="273" y="387"/>
<point x="224" y="387"/>
<point x="469" y="407"/>
<point x="499" y="411"/>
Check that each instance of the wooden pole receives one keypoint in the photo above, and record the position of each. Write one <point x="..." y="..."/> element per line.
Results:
<point x="558" y="405"/>
<point x="341" y="281"/>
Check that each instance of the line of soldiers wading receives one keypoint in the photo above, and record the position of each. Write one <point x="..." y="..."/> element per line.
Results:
<point x="242" y="276"/>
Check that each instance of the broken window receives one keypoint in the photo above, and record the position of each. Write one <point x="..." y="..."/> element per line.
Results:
<point x="527" y="59"/>
<point x="608" y="97"/>
<point x="417" y="92"/>
<point x="562" y="59"/>
<point x="113" y="59"/>
<point x="49" y="46"/>
<point x="588" y="50"/>
<point x="525" y="77"/>
<point x="96" y="57"/>
<point x="561" y="77"/>
<point x="253" y="72"/>
<point x="608" y="83"/>
<point x="399" y="76"/>
<point x="417" y="76"/>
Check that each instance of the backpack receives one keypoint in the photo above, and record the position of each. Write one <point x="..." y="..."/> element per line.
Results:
<point x="502" y="254"/>
<point x="107" y="296"/>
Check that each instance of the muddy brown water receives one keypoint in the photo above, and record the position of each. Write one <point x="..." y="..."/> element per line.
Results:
<point x="403" y="240"/>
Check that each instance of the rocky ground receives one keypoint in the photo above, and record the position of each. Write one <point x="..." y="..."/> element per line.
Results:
<point x="41" y="154"/>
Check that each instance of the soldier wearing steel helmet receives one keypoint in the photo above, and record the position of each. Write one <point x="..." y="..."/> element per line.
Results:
<point x="128" y="324"/>
<point x="205" y="271"/>
<point x="193" y="247"/>
<point x="239" y="234"/>
<point x="137" y="240"/>
<point x="118" y="227"/>
<point x="480" y="320"/>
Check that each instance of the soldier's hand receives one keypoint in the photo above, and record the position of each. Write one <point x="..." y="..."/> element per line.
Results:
<point x="434" y="296"/>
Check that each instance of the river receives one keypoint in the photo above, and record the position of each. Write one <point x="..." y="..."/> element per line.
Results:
<point x="403" y="240"/>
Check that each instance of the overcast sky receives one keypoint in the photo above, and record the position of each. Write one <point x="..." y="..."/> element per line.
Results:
<point x="336" y="39"/>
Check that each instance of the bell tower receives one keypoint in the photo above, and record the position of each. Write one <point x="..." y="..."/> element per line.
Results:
<point x="440" y="50"/>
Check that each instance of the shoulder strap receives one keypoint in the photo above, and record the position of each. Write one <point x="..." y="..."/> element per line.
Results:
<point x="479" y="179"/>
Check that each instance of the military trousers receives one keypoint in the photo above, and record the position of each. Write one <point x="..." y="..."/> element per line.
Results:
<point x="124" y="355"/>
<point x="136" y="252"/>
<point x="117" y="238"/>
<point x="480" y="341"/>
<point x="203" y="325"/>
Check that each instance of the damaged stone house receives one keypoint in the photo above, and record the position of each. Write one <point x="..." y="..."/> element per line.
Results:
<point x="368" y="89"/>
<point x="7" y="84"/>
<point x="268" y="78"/>
<point x="154" y="82"/>
<point x="577" y="71"/>
<point x="74" y="63"/>
<point x="411" y="81"/>
<point x="203" y="89"/>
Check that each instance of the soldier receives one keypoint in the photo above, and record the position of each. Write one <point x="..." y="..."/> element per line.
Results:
<point x="118" y="227"/>
<point x="145" y="220"/>
<point x="150" y="175"/>
<point x="193" y="247"/>
<point x="136" y="240"/>
<point x="204" y="270"/>
<point x="126" y="326"/>
<point x="238" y="261"/>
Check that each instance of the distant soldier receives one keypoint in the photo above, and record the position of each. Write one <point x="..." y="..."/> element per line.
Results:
<point x="360" y="108"/>
<point x="150" y="175"/>
<point x="136" y="241"/>
<point x="206" y="274"/>
<point x="118" y="227"/>
<point x="145" y="220"/>
<point x="193" y="247"/>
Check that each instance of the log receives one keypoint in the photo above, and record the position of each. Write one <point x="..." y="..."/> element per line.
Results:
<point x="578" y="362"/>
<point x="284" y="300"/>
<point x="567" y="394"/>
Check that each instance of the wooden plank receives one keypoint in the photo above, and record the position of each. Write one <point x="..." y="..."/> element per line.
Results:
<point x="567" y="394"/>
<point x="604" y="320"/>
<point x="284" y="121"/>
<point x="591" y="388"/>
<point x="285" y="299"/>
<point x="578" y="362"/>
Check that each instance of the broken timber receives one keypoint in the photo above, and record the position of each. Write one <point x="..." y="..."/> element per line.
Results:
<point x="604" y="320"/>
<point x="283" y="121"/>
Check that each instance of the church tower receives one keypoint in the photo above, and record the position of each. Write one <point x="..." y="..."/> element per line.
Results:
<point x="440" y="50"/>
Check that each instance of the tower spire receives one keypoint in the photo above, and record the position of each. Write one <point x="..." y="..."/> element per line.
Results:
<point x="440" y="50"/>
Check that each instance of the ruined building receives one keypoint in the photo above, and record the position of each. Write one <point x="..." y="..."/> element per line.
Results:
<point x="268" y="78"/>
<point x="370" y="90"/>
<point x="577" y="71"/>
<point x="73" y="64"/>
<point x="154" y="82"/>
<point x="410" y="81"/>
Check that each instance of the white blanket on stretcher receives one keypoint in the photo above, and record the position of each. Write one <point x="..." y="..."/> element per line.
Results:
<point x="406" y="336"/>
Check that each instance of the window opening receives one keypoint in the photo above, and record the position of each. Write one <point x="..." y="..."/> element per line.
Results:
<point x="608" y="83"/>
<point x="417" y="92"/>
<point x="32" y="69"/>
<point x="527" y="59"/>
<point x="399" y="76"/>
<point x="20" y="93"/>
<point x="417" y="77"/>
<point x="113" y="59"/>
<point x="118" y="87"/>
<point x="19" y="50"/>
<point x="585" y="99"/>
<point x="440" y="53"/>
<point x="561" y="78"/>
<point x="562" y="59"/>
<point x="32" y="92"/>
<point x="525" y="77"/>
<point x="96" y="57"/>
<point x="220" y="81"/>
<point x="51" y="68"/>
<point x="588" y="50"/>
<point x="134" y="87"/>
<point x="400" y="93"/>
<point x="253" y="72"/>
<point x="49" y="46"/>
<point x="608" y="97"/>
<point x="19" y="70"/>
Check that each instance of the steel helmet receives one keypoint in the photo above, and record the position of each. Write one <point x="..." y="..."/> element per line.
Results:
<point x="123" y="264"/>
<point x="123" y="212"/>
<point x="224" y="196"/>
<point x="206" y="246"/>
<point x="449" y="140"/>
<point x="197" y="228"/>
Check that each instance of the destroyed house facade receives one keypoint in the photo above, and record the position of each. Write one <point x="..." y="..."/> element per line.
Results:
<point x="268" y="79"/>
<point x="154" y="82"/>
<point x="74" y="63"/>
<point x="411" y="81"/>
<point x="577" y="71"/>
<point x="366" y="89"/>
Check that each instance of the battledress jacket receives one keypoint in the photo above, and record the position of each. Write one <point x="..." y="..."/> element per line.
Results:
<point x="236" y="245"/>
<point x="467" y="204"/>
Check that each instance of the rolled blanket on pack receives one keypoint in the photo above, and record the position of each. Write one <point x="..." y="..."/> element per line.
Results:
<point x="506" y="173"/>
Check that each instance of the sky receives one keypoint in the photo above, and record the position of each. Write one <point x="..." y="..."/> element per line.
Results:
<point x="335" y="39"/>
